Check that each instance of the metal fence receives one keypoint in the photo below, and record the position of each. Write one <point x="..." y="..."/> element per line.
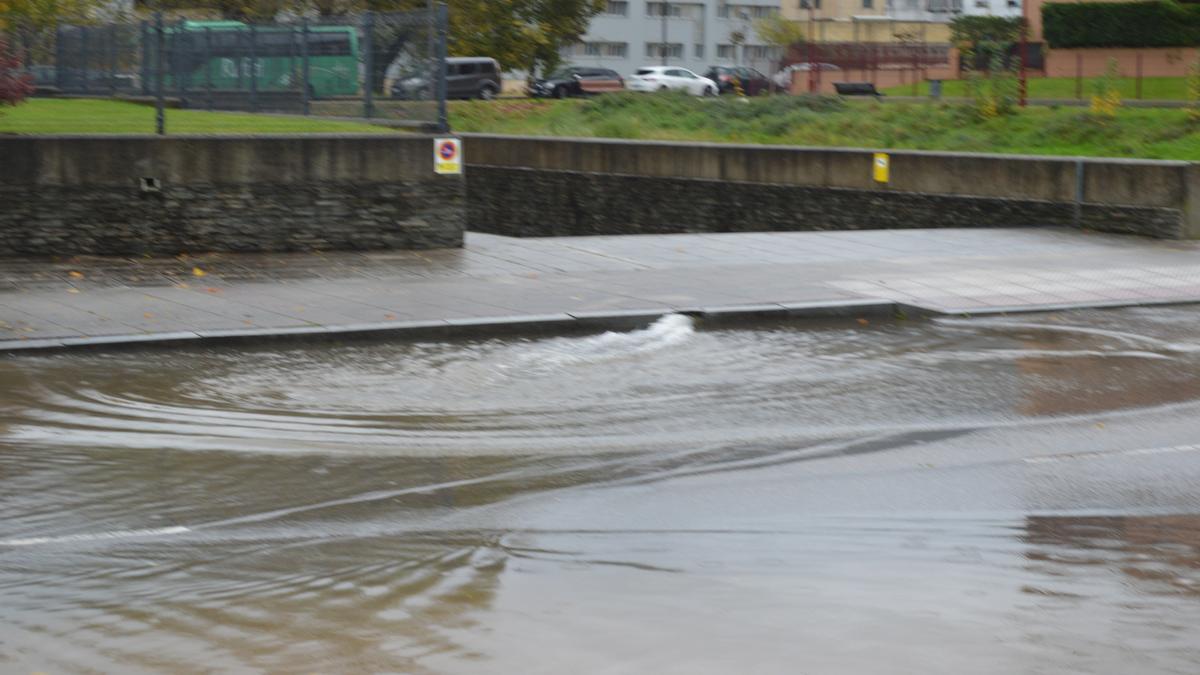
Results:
<point x="387" y="66"/>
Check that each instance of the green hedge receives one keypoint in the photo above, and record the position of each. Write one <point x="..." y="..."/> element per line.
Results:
<point x="1165" y="23"/>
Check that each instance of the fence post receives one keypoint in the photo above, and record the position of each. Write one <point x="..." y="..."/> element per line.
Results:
<point x="1078" y="76"/>
<point x="240" y="59"/>
<point x="368" y="26"/>
<point x="179" y="72"/>
<point x="253" y="68"/>
<point x="160" y="46"/>
<point x="1139" y="76"/>
<point x="83" y="58"/>
<point x="59" y="75"/>
<point x="144" y="33"/>
<point x="304" y="63"/>
<point x="208" y="66"/>
<point x="443" y="18"/>
<point x="112" y="60"/>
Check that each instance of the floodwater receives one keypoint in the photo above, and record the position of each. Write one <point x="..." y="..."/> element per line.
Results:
<point x="993" y="495"/>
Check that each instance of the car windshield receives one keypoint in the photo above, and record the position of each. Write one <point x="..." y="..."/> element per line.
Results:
<point x="562" y="74"/>
<point x="646" y="71"/>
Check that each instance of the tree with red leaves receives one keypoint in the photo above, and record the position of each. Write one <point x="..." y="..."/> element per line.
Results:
<point x="14" y="84"/>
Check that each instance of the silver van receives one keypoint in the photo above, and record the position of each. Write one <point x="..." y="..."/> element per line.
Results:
<point x="466" y="77"/>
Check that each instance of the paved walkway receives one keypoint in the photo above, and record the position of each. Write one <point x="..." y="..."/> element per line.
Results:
<point x="499" y="280"/>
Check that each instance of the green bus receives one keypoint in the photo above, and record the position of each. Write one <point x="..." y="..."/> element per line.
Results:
<point x="225" y="55"/>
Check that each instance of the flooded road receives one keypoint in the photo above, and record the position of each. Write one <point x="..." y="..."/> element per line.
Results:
<point x="993" y="495"/>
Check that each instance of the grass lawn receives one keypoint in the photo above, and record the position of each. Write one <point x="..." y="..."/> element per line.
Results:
<point x="93" y="116"/>
<point x="1153" y="88"/>
<point x="798" y="120"/>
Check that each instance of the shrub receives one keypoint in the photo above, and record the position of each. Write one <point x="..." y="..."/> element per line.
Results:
<point x="1163" y="23"/>
<point x="995" y="93"/>
<point x="1106" y="97"/>
<point x="14" y="85"/>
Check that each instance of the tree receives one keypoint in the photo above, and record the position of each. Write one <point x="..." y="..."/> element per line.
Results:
<point x="983" y="39"/>
<point x="520" y="34"/>
<point x="30" y="24"/>
<point x="779" y="32"/>
<point x="254" y="11"/>
<point x="14" y="85"/>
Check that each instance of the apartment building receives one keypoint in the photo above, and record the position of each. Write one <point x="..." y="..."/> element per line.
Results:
<point x="941" y="11"/>
<point x="629" y="34"/>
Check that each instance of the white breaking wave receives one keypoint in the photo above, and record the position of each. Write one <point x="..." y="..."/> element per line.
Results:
<point x="669" y="330"/>
<point x="95" y="536"/>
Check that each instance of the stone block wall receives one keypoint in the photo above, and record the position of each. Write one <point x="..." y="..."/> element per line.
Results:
<point x="554" y="186"/>
<point x="85" y="196"/>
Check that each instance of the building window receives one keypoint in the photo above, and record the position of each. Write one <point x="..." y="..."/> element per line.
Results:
<point x="699" y="51"/>
<point x="746" y="11"/>
<point x="617" y="7"/>
<point x="868" y="4"/>
<point x="757" y="52"/>
<point x="661" y="8"/>
<point x="810" y="4"/>
<point x="655" y="50"/>
<point x="726" y="51"/>
<point x="617" y="50"/>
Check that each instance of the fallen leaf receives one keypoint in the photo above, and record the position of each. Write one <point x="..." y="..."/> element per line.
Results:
<point x="75" y="275"/>
<point x="390" y="317"/>
<point x="210" y="289"/>
<point x="197" y="272"/>
<point x="864" y="322"/>
<point x="147" y="315"/>
<point x="72" y="290"/>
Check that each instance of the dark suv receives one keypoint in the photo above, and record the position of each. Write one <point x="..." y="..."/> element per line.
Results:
<point x="753" y="82"/>
<point x="577" y="81"/>
<point x="466" y="77"/>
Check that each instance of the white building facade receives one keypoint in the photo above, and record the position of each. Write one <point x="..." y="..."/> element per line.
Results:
<point x="629" y="34"/>
<point x="946" y="10"/>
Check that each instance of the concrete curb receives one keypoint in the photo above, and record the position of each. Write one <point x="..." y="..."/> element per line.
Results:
<point x="555" y="324"/>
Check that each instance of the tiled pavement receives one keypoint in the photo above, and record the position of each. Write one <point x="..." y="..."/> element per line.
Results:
<point x="504" y="280"/>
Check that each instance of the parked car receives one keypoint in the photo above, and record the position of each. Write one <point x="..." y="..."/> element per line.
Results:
<point x="727" y="78"/>
<point x="662" y="78"/>
<point x="466" y="77"/>
<point x="577" y="81"/>
<point x="783" y="78"/>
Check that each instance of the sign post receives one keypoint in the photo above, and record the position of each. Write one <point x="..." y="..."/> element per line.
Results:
<point x="447" y="156"/>
<point x="881" y="167"/>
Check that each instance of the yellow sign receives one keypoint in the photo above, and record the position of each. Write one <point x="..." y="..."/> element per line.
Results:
<point x="880" y="167"/>
<point x="447" y="155"/>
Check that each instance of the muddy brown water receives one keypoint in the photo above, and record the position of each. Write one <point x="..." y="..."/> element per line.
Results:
<point x="1002" y="495"/>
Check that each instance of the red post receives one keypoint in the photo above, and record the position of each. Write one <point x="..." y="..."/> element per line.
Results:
<point x="1139" y="76"/>
<point x="1078" y="76"/>
<point x="812" y="66"/>
<point x="916" y="83"/>
<point x="1024" y="54"/>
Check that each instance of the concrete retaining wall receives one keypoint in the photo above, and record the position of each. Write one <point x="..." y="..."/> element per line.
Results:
<point x="84" y="195"/>
<point x="527" y="186"/>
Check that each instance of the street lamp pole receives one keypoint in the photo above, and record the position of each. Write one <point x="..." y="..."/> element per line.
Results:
<point x="665" y="8"/>
<point x="812" y="66"/>
<point x="1024" y="52"/>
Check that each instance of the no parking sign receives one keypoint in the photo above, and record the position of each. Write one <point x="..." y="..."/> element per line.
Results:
<point x="447" y="155"/>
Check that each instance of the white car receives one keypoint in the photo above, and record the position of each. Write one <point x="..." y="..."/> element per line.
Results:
<point x="662" y="78"/>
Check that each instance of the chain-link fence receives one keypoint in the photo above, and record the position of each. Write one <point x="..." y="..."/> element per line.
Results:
<point x="386" y="66"/>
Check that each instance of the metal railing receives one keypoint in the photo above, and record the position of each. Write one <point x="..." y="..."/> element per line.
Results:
<point x="372" y="65"/>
